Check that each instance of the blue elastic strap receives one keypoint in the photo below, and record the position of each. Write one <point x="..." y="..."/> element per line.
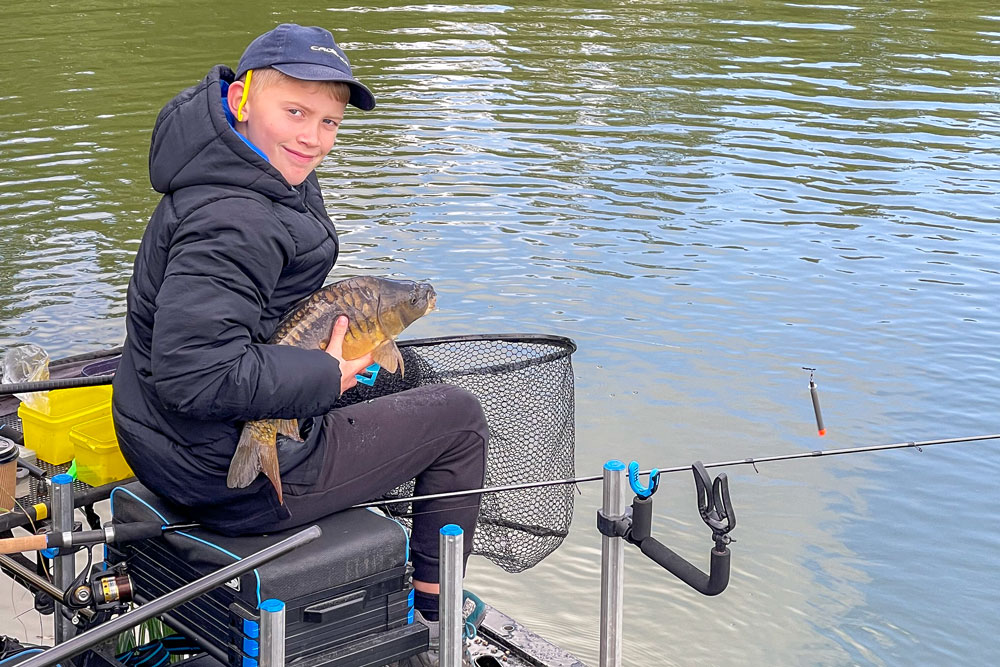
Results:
<point x="153" y="654"/>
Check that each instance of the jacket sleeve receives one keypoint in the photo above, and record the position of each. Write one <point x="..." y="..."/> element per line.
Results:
<point x="223" y="265"/>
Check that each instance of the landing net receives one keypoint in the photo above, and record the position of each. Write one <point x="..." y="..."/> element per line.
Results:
<point x="525" y="385"/>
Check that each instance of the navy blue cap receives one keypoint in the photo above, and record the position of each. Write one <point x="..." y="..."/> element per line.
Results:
<point x="307" y="53"/>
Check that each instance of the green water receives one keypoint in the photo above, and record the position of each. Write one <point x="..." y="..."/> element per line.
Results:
<point x="706" y="196"/>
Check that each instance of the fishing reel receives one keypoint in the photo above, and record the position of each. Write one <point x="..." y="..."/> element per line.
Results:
<point x="104" y="590"/>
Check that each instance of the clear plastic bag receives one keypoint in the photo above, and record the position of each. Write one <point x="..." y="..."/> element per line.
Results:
<point x="28" y="363"/>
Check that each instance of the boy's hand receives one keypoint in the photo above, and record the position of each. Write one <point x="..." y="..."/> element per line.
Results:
<point x="335" y="348"/>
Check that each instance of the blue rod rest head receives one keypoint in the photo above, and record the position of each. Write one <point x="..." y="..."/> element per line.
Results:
<point x="637" y="487"/>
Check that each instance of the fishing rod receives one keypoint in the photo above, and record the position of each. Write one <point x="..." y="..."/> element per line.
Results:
<point x="47" y="385"/>
<point x="110" y="534"/>
<point x="154" y="529"/>
<point x="753" y="461"/>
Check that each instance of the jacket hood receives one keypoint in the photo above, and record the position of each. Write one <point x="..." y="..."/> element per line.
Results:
<point x="193" y="144"/>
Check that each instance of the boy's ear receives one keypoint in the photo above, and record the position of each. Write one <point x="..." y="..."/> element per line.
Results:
<point x="233" y="97"/>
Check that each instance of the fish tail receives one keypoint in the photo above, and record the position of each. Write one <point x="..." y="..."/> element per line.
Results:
<point x="290" y="428"/>
<point x="256" y="451"/>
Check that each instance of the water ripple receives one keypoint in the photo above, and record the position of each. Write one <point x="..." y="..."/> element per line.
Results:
<point x="706" y="196"/>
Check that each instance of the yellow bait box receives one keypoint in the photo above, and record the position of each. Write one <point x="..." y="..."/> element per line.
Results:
<point x="47" y="431"/>
<point x="98" y="457"/>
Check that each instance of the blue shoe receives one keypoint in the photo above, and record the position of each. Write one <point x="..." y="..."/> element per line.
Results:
<point x="473" y="611"/>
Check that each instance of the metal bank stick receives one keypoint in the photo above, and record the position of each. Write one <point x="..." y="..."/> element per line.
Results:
<point x="63" y="565"/>
<point x="272" y="633"/>
<point x="450" y="570"/>
<point x="612" y="568"/>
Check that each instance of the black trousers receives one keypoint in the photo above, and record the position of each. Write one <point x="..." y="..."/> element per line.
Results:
<point x="436" y="433"/>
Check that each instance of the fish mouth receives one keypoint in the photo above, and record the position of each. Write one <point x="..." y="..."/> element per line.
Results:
<point x="432" y="301"/>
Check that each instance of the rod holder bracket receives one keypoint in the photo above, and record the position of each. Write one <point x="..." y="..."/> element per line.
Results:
<point x="615" y="527"/>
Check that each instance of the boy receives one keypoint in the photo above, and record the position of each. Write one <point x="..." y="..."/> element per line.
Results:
<point x="238" y="237"/>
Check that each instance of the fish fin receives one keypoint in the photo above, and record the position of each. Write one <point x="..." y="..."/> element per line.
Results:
<point x="290" y="428"/>
<point x="388" y="357"/>
<point x="256" y="451"/>
<point x="269" y="464"/>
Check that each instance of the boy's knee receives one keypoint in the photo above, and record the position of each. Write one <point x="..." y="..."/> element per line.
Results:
<point x="465" y="406"/>
<point x="459" y="407"/>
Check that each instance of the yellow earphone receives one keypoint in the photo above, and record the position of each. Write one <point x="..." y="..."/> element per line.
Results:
<point x="243" y="100"/>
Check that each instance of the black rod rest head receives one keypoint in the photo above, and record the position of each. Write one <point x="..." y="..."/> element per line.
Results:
<point x="714" y="503"/>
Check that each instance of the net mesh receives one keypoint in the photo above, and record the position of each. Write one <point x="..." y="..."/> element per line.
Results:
<point x="525" y="385"/>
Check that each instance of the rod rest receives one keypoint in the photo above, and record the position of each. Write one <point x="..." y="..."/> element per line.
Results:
<point x="716" y="510"/>
<point x="707" y="584"/>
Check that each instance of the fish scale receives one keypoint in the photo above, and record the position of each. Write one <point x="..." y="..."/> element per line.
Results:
<point x="378" y="309"/>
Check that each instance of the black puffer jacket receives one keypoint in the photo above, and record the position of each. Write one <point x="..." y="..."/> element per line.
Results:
<point x="229" y="249"/>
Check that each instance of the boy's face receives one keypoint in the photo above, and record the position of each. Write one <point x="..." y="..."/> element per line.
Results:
<point x="293" y="122"/>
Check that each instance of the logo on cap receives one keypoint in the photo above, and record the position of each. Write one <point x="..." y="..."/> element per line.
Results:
<point x="327" y="49"/>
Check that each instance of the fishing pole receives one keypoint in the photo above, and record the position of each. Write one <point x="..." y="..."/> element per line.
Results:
<point x="110" y="534"/>
<point x="47" y="385"/>
<point x="753" y="461"/>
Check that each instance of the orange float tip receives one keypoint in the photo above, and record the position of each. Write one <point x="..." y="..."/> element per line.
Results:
<point x="822" y="432"/>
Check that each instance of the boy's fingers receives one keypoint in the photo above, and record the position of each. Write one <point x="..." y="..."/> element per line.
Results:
<point x="349" y="371"/>
<point x="336" y="344"/>
<point x="361" y="363"/>
<point x="335" y="348"/>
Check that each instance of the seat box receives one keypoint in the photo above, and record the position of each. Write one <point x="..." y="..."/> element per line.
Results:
<point x="349" y="586"/>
